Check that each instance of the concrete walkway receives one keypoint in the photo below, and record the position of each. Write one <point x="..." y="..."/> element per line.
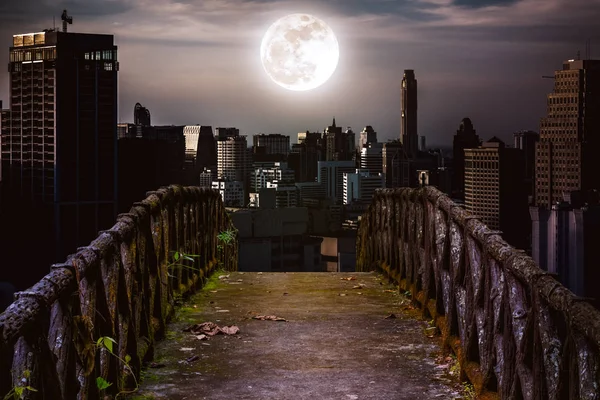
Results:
<point x="336" y="343"/>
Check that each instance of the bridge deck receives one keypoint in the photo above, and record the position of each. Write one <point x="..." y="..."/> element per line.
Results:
<point x="335" y="344"/>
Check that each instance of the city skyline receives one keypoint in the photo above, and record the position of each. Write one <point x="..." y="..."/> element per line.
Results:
<point x="191" y="63"/>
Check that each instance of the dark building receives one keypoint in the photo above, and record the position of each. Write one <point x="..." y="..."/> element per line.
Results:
<point x="271" y="144"/>
<point x="567" y="152"/>
<point x="146" y="163"/>
<point x="305" y="155"/>
<point x="466" y="138"/>
<point x="339" y="145"/>
<point x="367" y="136"/>
<point x="526" y="140"/>
<point x="396" y="165"/>
<point x="409" y="134"/>
<point x="59" y="139"/>
<point x="141" y="115"/>
<point x="495" y="190"/>
<point x="565" y="239"/>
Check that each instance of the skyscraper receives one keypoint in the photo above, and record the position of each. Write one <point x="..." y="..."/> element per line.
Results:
<point x="526" y="140"/>
<point x="141" y="115"/>
<point x="494" y="189"/>
<point x="367" y="136"/>
<point x="466" y="138"/>
<point x="409" y="134"/>
<point x="59" y="136"/>
<point x="274" y="143"/>
<point x="567" y="152"/>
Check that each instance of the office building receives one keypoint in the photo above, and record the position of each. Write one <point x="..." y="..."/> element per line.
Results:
<point x="371" y="157"/>
<point x="466" y="138"/>
<point x="232" y="192"/>
<point x="367" y="136"/>
<point x="360" y="186"/>
<point x="569" y="144"/>
<point x="331" y="176"/>
<point x="309" y="190"/>
<point x="409" y="133"/>
<point x="272" y="143"/>
<point x="59" y="134"/>
<point x="396" y="165"/>
<point x="233" y="161"/>
<point x="495" y="192"/>
<point x="526" y="141"/>
<point x="564" y="241"/>
<point x="224" y="133"/>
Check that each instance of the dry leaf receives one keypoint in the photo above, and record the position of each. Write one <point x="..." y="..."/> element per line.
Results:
<point x="390" y="316"/>
<point x="202" y="337"/>
<point x="350" y="278"/>
<point x="230" y="330"/>
<point x="186" y="349"/>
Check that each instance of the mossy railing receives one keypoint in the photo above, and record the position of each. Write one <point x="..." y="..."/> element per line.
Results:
<point x="123" y="286"/>
<point x="516" y="331"/>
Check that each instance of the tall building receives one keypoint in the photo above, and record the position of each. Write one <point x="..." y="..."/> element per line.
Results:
<point x="331" y="176"/>
<point x="59" y="135"/>
<point x="569" y="144"/>
<point x="367" y="136"/>
<point x="409" y="133"/>
<point x="396" y="165"/>
<point x="360" y="186"/>
<point x="224" y="133"/>
<point x="274" y="143"/>
<point x="466" y="138"/>
<point x="494" y="189"/>
<point x="526" y="140"/>
<point x="565" y="239"/>
<point x="200" y="151"/>
<point x="371" y="158"/>
<point x="141" y="115"/>
<point x="234" y="161"/>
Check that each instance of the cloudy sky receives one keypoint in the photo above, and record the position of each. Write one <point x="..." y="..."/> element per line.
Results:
<point x="198" y="61"/>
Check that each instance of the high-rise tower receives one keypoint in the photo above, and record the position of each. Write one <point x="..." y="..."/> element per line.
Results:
<point x="409" y="135"/>
<point x="567" y="151"/>
<point x="59" y="135"/>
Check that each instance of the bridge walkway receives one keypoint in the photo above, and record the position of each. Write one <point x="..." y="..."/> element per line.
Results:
<point x="335" y="342"/>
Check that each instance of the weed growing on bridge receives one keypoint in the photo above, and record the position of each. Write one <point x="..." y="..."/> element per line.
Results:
<point x="224" y="238"/>
<point x="107" y="343"/>
<point x="17" y="392"/>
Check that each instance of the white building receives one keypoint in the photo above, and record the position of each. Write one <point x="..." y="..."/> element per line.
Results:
<point x="233" y="159"/>
<point x="232" y="192"/>
<point x="331" y="176"/>
<point x="360" y="186"/>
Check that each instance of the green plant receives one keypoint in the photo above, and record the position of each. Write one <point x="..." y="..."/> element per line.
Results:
<point x="17" y="392"/>
<point x="225" y="237"/>
<point x="106" y="342"/>
<point x="469" y="391"/>
<point x="178" y="258"/>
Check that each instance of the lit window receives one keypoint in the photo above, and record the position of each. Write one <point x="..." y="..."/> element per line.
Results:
<point x="97" y="55"/>
<point x="87" y="56"/>
<point x="108" y="66"/>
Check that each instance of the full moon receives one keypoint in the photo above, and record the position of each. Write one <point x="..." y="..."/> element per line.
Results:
<point x="299" y="52"/>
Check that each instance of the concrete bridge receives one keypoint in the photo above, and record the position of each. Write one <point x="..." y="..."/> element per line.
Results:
<point x="86" y="330"/>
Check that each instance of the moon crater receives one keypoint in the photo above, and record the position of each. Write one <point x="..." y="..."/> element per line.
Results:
<point x="299" y="52"/>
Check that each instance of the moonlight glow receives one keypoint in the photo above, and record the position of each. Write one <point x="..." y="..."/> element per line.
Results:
<point x="299" y="52"/>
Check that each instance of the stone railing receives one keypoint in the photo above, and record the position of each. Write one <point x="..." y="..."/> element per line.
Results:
<point x="122" y="286"/>
<point x="516" y="331"/>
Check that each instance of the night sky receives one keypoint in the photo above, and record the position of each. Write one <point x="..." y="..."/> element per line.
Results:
<point x="198" y="61"/>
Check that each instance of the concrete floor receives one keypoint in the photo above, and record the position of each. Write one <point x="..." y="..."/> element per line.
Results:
<point x="335" y="344"/>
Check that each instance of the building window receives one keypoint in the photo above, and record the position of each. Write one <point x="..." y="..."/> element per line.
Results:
<point x="108" y="66"/>
<point x="28" y="56"/>
<point x="97" y="55"/>
<point x="86" y="56"/>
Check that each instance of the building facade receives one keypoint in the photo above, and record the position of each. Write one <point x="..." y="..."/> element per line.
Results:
<point x="466" y="138"/>
<point x="495" y="191"/>
<point x="409" y="135"/>
<point x="360" y="186"/>
<point x="331" y="176"/>
<point x="569" y="144"/>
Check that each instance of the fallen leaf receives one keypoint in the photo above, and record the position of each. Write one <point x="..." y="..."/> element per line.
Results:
<point x="359" y="286"/>
<point x="391" y="316"/>
<point x="268" y="318"/>
<point x="222" y="310"/>
<point x="213" y="291"/>
<point x="186" y="349"/>
<point x="286" y="293"/>
<point x="156" y="365"/>
<point x="350" y="278"/>
<point x="230" y="330"/>
<point x="223" y="276"/>
<point x="260" y="273"/>
<point x="202" y="337"/>
<point x="390" y="291"/>
<point x="342" y="294"/>
<point x="192" y="358"/>
<point x="359" y="293"/>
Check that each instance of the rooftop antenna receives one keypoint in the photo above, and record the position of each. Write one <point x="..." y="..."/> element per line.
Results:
<point x="588" y="44"/>
<point x="65" y="20"/>
<point x="578" y="55"/>
<point x="53" y="23"/>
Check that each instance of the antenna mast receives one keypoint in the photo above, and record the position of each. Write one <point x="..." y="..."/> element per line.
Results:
<point x="66" y="19"/>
